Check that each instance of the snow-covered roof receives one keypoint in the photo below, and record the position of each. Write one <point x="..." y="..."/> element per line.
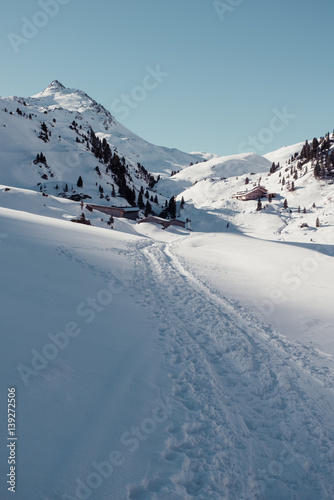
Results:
<point x="257" y="188"/>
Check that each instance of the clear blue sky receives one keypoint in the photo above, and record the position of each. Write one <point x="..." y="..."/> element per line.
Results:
<point x="226" y="74"/>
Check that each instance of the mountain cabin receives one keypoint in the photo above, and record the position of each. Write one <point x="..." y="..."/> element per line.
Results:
<point x="253" y="194"/>
<point x="131" y="213"/>
<point x="163" y="222"/>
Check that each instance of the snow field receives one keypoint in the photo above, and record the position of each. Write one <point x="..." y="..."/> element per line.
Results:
<point x="159" y="364"/>
<point x="254" y="418"/>
<point x="108" y="380"/>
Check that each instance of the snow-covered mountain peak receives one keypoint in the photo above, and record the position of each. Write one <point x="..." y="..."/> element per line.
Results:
<point x="61" y="124"/>
<point x="56" y="95"/>
<point x="55" y="85"/>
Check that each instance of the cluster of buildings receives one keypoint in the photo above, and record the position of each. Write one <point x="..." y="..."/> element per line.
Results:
<point x="132" y="213"/>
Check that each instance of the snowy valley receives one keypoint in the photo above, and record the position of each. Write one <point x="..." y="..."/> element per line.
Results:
<point x="182" y="363"/>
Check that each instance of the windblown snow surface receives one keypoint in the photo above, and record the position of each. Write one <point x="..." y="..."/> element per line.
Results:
<point x="155" y="364"/>
<point x="164" y="365"/>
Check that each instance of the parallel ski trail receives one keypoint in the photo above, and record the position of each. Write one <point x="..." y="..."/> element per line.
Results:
<point x="248" y="421"/>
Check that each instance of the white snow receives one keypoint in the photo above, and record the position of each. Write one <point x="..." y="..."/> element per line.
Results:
<point x="246" y="402"/>
<point x="67" y="104"/>
<point x="282" y="155"/>
<point x="215" y="169"/>
<point x="165" y="364"/>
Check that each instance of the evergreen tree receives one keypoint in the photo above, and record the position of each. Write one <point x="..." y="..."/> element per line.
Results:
<point x="317" y="222"/>
<point x="80" y="183"/>
<point x="182" y="202"/>
<point x="285" y="204"/>
<point x="44" y="133"/>
<point x="317" y="171"/>
<point x="172" y="207"/>
<point x="148" y="209"/>
<point x="306" y="151"/>
<point x="140" y="201"/>
<point x="259" y="205"/>
<point x="326" y="143"/>
<point x="106" y="151"/>
<point x="315" y="145"/>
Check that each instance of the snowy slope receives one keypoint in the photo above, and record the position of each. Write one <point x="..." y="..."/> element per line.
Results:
<point x="204" y="156"/>
<point x="185" y="389"/>
<point x="66" y="159"/>
<point x="215" y="197"/>
<point x="156" y="159"/>
<point x="67" y="105"/>
<point x="246" y="427"/>
<point x="209" y="188"/>
<point x="105" y="380"/>
<point x="68" y="117"/>
<point x="32" y="202"/>
<point x="288" y="285"/>
<point x="215" y="168"/>
<point x="282" y="155"/>
<point x="155" y="364"/>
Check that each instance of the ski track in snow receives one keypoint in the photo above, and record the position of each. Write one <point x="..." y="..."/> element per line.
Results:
<point x="252" y="412"/>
